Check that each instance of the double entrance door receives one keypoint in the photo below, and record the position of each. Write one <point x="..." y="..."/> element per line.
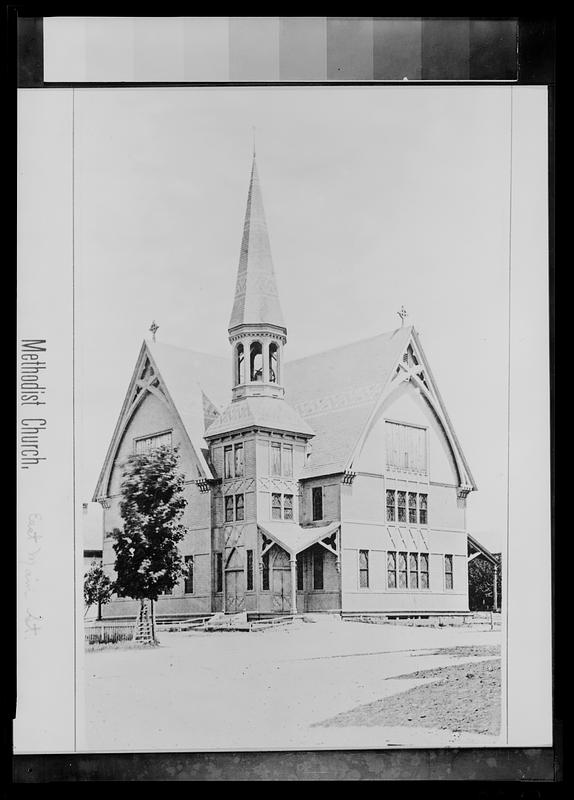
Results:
<point x="281" y="582"/>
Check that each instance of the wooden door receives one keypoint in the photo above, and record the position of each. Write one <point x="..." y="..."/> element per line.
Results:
<point x="234" y="591"/>
<point x="281" y="585"/>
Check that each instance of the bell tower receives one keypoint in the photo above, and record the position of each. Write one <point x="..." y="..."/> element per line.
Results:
<point x="257" y="333"/>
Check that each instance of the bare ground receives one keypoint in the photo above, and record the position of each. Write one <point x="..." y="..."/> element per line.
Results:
<point x="459" y="697"/>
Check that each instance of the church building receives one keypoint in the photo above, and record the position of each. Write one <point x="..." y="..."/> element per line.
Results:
<point x="333" y="482"/>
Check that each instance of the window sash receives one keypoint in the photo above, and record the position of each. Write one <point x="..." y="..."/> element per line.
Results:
<point x="229" y="508"/>
<point x="288" y="460"/>
<point x="391" y="505"/>
<point x="392" y="569"/>
<point x="275" y="506"/>
<point x="413" y="571"/>
<point x="403" y="571"/>
<point x="188" y="582"/>
<point x="275" y="459"/>
<point x="265" y="572"/>
<point x="424" y="571"/>
<point x="317" y="570"/>
<point x="412" y="508"/>
<point x="250" y="570"/>
<point x="448" y="572"/>
<point x="317" y="502"/>
<point x="239" y="507"/>
<point x="228" y="462"/>
<point x="402" y="506"/>
<point x="363" y="569"/>
<point x="287" y="506"/>
<point x="219" y="572"/>
<point x="423" y="509"/>
<point x="238" y="460"/>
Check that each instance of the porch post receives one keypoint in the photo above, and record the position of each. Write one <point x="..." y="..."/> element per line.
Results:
<point x="495" y="587"/>
<point x="293" y="563"/>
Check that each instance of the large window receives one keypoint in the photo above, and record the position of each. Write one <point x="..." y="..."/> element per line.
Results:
<point x="407" y="570"/>
<point x="229" y="508"/>
<point x="275" y="458"/>
<point x="239" y="507"/>
<point x="239" y="460"/>
<point x="410" y="507"/>
<point x="364" y="569"/>
<point x="448" y="573"/>
<point x="288" y="460"/>
<point x="317" y="502"/>
<point x="281" y="459"/>
<point x="152" y="442"/>
<point x="228" y="462"/>
<point x="188" y="583"/>
<point x="406" y="447"/>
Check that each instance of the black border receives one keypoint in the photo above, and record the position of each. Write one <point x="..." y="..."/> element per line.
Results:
<point x="522" y="770"/>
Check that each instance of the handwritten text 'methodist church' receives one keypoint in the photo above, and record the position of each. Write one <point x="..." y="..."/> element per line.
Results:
<point x="32" y="396"/>
<point x="332" y="482"/>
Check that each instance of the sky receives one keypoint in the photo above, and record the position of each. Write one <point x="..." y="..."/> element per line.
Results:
<point x="375" y="197"/>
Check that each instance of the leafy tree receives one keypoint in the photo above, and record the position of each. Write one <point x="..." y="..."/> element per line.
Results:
<point x="481" y="584"/>
<point x="148" y="562"/>
<point x="97" y="587"/>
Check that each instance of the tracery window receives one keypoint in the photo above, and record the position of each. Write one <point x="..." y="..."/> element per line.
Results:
<point x="275" y="506"/>
<point x="402" y="506"/>
<point x="391" y="505"/>
<point x="448" y="573"/>
<point x="288" y="506"/>
<point x="423" y="509"/>
<point x="364" y="569"/>
<point x="413" y="508"/>
<point x="188" y="583"/>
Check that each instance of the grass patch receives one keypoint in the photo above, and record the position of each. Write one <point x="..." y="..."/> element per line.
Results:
<point x="124" y="645"/>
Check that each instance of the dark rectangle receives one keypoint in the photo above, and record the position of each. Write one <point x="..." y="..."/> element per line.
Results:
<point x="397" y="49"/>
<point x="493" y="46"/>
<point x="445" y="49"/>
<point x="30" y="52"/>
<point x="350" y="48"/>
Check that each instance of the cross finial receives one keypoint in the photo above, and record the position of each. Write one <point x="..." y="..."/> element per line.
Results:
<point x="403" y="315"/>
<point x="153" y="328"/>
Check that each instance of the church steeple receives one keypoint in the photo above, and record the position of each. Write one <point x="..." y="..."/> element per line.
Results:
<point x="256" y="328"/>
<point x="256" y="296"/>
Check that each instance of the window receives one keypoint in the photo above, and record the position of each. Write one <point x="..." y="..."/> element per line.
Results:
<point x="413" y="571"/>
<point x="275" y="458"/>
<point x="265" y="571"/>
<point x="413" y="508"/>
<point x="402" y="506"/>
<point x="406" y="447"/>
<point x="363" y="569"/>
<point x="229" y="508"/>
<point x="219" y="572"/>
<point x="188" y="583"/>
<point x="275" y="506"/>
<point x="410" y="570"/>
<point x="238" y="460"/>
<point x="424" y="570"/>
<point x="448" y="577"/>
<point x="403" y="573"/>
<point x="239" y="365"/>
<point x="392" y="570"/>
<point x="300" y="573"/>
<point x="228" y="462"/>
<point x="152" y="442"/>
<point x="423" y="516"/>
<point x="317" y="497"/>
<point x="317" y="569"/>
<point x="239" y="506"/>
<point x="273" y="363"/>
<point x="288" y="460"/>
<point x="288" y="506"/>
<point x="391" y="503"/>
<point x="250" y="570"/>
<point x="256" y="362"/>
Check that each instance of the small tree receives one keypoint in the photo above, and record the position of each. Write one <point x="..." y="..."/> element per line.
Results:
<point x="147" y="558"/>
<point x="97" y="588"/>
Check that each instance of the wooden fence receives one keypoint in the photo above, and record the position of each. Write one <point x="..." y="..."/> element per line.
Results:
<point x="106" y="631"/>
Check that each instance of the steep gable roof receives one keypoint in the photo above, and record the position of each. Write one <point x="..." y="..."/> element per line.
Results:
<point x="335" y="392"/>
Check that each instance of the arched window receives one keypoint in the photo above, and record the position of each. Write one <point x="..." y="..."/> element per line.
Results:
<point x="256" y="362"/>
<point x="239" y="365"/>
<point x="274" y="362"/>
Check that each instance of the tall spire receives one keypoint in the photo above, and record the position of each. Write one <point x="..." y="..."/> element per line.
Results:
<point x="256" y="296"/>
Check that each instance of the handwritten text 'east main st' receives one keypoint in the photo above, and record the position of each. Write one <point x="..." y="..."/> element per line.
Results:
<point x="32" y="395"/>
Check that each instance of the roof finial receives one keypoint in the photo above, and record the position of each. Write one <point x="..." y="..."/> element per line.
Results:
<point x="402" y="314"/>
<point x="153" y="328"/>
